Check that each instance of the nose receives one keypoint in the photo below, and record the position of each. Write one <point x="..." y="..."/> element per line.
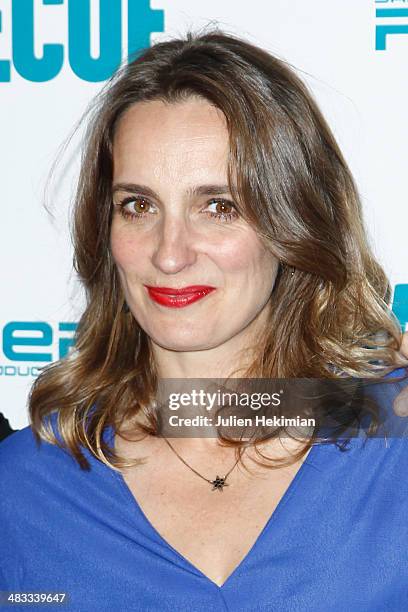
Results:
<point x="174" y="249"/>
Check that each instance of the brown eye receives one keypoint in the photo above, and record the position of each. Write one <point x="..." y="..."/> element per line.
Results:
<point x="222" y="210"/>
<point x="222" y="207"/>
<point x="138" y="205"/>
<point x="134" y="207"/>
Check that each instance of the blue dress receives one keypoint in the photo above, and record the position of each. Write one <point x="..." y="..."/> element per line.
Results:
<point x="337" y="541"/>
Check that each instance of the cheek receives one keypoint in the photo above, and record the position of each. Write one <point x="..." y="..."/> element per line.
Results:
<point x="233" y="254"/>
<point x="245" y="256"/>
<point x="126" y="252"/>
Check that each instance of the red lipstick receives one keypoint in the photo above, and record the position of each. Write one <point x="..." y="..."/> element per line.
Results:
<point x="178" y="298"/>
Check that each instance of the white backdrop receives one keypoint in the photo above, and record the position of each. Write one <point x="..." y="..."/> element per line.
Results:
<point x="352" y="54"/>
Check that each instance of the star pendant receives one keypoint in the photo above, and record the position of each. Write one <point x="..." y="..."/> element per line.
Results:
<point x="219" y="483"/>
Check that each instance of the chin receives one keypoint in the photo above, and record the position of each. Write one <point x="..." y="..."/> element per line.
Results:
<point x="182" y="345"/>
<point x="192" y="341"/>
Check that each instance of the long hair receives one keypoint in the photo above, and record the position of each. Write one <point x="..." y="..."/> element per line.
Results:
<point x="330" y="314"/>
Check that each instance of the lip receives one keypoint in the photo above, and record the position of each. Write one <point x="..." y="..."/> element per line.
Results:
<point x="178" y="298"/>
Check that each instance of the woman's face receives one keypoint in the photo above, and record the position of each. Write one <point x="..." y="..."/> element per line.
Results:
<point x="174" y="225"/>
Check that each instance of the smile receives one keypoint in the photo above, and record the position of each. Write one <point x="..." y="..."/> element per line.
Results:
<point x="178" y="298"/>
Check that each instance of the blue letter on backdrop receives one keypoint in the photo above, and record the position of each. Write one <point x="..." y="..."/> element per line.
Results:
<point x="142" y="21"/>
<point x="10" y="340"/>
<point x="110" y="36"/>
<point x="400" y="305"/>
<point x="66" y="343"/>
<point x="25" y="62"/>
<point x="382" y="31"/>
<point x="4" y="65"/>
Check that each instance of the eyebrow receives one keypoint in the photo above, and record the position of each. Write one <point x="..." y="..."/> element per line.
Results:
<point x="198" y="190"/>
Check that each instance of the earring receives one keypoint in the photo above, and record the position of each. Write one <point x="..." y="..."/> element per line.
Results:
<point x="288" y="268"/>
<point x="126" y="308"/>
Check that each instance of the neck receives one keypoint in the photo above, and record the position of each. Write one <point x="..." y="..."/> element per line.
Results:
<point x="228" y="360"/>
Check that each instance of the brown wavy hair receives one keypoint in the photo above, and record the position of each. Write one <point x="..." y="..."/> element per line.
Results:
<point x="289" y="179"/>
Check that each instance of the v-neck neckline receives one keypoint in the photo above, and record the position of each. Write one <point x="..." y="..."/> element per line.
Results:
<point x="293" y="485"/>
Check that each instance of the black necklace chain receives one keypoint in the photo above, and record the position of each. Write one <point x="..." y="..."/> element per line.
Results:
<point x="218" y="483"/>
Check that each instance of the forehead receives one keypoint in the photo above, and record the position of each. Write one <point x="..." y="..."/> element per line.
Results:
<point x="156" y="137"/>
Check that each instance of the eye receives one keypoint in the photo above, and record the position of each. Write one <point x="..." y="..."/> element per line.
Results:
<point x="134" y="207"/>
<point x="224" y="210"/>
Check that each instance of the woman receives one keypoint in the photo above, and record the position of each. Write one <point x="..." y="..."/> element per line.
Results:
<point x="218" y="233"/>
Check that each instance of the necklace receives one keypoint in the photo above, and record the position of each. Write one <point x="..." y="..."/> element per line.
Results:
<point x="218" y="483"/>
